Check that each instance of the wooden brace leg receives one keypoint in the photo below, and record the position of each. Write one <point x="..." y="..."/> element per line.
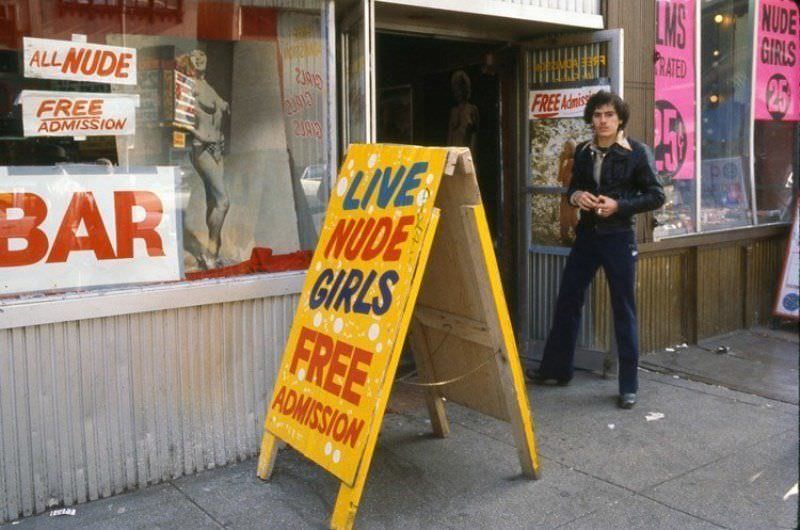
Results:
<point x="266" y="459"/>
<point x="509" y="368"/>
<point x="344" y="512"/>
<point x="433" y="399"/>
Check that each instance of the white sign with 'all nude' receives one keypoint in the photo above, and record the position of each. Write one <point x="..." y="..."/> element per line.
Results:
<point x="79" y="61"/>
<point x="46" y="113"/>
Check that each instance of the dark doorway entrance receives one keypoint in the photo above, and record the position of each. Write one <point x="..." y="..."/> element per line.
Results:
<point x="440" y="92"/>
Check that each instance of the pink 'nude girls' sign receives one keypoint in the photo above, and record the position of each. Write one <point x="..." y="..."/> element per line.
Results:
<point x="777" y="94"/>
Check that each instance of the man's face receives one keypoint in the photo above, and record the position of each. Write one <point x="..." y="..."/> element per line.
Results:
<point x="605" y="121"/>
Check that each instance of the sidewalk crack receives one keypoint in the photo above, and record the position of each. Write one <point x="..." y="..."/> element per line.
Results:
<point x="759" y="442"/>
<point x="191" y="500"/>
<point x="633" y="495"/>
<point x="695" y="378"/>
<point x="623" y="487"/>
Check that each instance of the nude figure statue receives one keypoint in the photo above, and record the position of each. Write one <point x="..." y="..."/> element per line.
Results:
<point x="567" y="214"/>
<point x="462" y="130"/>
<point x="207" y="146"/>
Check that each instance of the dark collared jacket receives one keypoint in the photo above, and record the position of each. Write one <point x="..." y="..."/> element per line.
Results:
<point x="627" y="176"/>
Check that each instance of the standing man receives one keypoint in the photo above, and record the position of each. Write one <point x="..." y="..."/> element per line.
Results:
<point x="613" y="178"/>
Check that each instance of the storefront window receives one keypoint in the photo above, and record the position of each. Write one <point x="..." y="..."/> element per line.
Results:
<point x="775" y="166"/>
<point x="776" y="109"/>
<point x="735" y="119"/>
<point x="553" y="143"/>
<point x="561" y="80"/>
<point x="160" y="141"/>
<point x="726" y="74"/>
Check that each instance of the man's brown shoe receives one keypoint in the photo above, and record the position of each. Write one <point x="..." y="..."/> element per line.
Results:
<point x="626" y="401"/>
<point x="537" y="377"/>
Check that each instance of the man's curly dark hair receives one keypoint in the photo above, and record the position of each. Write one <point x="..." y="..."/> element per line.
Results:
<point x="607" y="98"/>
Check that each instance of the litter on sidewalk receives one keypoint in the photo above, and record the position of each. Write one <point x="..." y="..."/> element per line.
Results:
<point x="792" y="491"/>
<point x="62" y="511"/>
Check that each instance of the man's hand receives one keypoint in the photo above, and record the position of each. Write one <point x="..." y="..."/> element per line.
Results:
<point x="606" y="206"/>
<point x="586" y="201"/>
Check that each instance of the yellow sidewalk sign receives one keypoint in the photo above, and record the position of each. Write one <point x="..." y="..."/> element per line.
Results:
<point x="405" y="245"/>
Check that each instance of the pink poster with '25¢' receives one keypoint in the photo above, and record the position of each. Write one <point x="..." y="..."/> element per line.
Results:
<point x="777" y="56"/>
<point x="675" y="89"/>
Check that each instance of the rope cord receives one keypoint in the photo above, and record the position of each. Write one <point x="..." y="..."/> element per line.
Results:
<point x="404" y="379"/>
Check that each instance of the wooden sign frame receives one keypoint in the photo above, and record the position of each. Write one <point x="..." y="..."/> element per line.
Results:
<point x="785" y="291"/>
<point x="460" y="332"/>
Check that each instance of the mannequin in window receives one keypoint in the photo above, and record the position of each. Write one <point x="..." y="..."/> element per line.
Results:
<point x="208" y="143"/>
<point x="462" y="130"/>
<point x="567" y="214"/>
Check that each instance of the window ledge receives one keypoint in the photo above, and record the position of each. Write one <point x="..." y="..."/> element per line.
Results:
<point x="16" y="313"/>
<point x="712" y="238"/>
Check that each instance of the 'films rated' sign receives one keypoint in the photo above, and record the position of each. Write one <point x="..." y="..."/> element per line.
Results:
<point x="674" y="72"/>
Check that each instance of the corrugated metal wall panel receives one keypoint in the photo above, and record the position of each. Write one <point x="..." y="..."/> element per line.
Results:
<point x="720" y="290"/>
<point x="764" y="267"/>
<point x="92" y="408"/>
<point x="545" y="281"/>
<point x="603" y="318"/>
<point x="577" y="53"/>
<point x="735" y="287"/>
<point x="662" y="311"/>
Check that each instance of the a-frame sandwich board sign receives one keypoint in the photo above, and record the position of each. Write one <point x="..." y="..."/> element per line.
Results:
<point x="405" y="246"/>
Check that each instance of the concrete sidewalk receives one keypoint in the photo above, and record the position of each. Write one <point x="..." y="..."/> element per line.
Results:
<point x="718" y="458"/>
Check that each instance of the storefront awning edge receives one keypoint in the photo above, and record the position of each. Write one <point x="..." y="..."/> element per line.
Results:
<point x="508" y="10"/>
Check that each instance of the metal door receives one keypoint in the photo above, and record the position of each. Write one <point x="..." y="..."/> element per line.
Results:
<point x="565" y="64"/>
<point x="356" y="48"/>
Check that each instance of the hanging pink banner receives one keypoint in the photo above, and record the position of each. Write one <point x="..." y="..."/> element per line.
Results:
<point x="777" y="95"/>
<point x="675" y="89"/>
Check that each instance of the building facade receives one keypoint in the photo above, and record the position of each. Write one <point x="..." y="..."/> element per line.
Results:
<point x="165" y="166"/>
<point x="711" y="259"/>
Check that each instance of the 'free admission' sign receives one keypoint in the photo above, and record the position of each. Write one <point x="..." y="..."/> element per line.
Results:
<point x="345" y="334"/>
<point x="46" y="113"/>
<point x="777" y="95"/>
<point x="561" y="102"/>
<point x="675" y="89"/>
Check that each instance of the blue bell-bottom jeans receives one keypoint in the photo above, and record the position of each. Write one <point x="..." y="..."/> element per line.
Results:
<point x="616" y="252"/>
